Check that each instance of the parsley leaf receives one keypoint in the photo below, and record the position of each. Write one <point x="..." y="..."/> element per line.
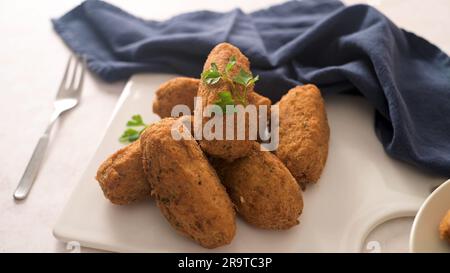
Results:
<point x="225" y="98"/>
<point x="230" y="64"/>
<point x="211" y="76"/>
<point x="132" y="134"/>
<point x="136" y="120"/>
<point x="244" y="78"/>
<point x="255" y="79"/>
<point x="129" y="135"/>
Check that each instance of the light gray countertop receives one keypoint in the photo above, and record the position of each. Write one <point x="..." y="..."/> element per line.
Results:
<point x="33" y="58"/>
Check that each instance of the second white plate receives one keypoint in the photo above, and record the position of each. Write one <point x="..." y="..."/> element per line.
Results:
<point x="425" y="231"/>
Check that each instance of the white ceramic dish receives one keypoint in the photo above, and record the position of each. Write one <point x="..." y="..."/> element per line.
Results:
<point x="424" y="233"/>
<point x="360" y="188"/>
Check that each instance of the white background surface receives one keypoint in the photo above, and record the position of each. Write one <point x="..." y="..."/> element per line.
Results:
<point x="32" y="60"/>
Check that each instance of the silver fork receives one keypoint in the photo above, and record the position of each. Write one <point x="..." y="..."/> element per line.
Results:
<point x="67" y="98"/>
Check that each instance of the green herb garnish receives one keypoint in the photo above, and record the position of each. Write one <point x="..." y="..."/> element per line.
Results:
<point x="225" y="98"/>
<point x="245" y="78"/>
<point x="238" y="85"/>
<point x="135" y="128"/>
<point x="230" y="64"/>
<point x="136" y="120"/>
<point x="211" y="76"/>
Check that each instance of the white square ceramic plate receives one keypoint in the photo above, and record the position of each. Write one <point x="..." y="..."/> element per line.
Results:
<point x="360" y="188"/>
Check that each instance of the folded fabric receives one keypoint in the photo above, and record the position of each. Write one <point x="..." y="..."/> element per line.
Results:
<point x="339" y="48"/>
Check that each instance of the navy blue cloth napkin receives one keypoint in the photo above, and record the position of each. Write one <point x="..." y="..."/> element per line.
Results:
<point x="339" y="48"/>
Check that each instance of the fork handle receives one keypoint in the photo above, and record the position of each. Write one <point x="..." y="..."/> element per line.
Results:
<point x="27" y="180"/>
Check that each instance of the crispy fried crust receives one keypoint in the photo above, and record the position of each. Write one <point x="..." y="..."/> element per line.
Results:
<point x="444" y="227"/>
<point x="220" y="55"/>
<point x="257" y="99"/>
<point x="122" y="178"/>
<point x="304" y="133"/>
<point x="262" y="189"/>
<point x="180" y="90"/>
<point x="186" y="187"/>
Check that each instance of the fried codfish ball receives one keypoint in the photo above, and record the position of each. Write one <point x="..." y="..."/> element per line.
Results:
<point x="181" y="90"/>
<point x="303" y="133"/>
<point x="444" y="227"/>
<point x="122" y="177"/>
<point x="186" y="187"/>
<point x="221" y="55"/>
<point x="262" y="189"/>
